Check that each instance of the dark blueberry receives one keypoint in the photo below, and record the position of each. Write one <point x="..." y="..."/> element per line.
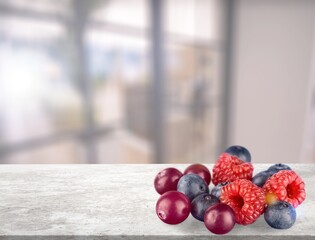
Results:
<point x="240" y="152"/>
<point x="192" y="185"/>
<point x="260" y="178"/>
<point x="278" y="167"/>
<point x="201" y="203"/>
<point x="280" y="215"/>
<point x="216" y="191"/>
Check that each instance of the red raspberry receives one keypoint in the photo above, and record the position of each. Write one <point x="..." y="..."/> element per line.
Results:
<point x="287" y="186"/>
<point x="228" y="168"/>
<point x="245" y="198"/>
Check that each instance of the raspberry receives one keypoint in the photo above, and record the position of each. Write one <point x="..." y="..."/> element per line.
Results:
<point x="228" y="168"/>
<point x="287" y="186"/>
<point x="245" y="198"/>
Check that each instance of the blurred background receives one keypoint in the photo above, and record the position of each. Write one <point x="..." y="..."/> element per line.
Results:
<point x="156" y="81"/>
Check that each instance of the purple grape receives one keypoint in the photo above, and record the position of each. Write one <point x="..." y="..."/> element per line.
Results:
<point x="173" y="207"/>
<point x="200" y="170"/>
<point x="166" y="180"/>
<point x="219" y="218"/>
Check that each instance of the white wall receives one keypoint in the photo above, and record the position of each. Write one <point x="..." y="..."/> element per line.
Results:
<point x="273" y="52"/>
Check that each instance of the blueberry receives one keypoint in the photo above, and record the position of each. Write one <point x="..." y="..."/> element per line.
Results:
<point x="240" y="152"/>
<point x="278" y="167"/>
<point x="201" y="203"/>
<point x="260" y="178"/>
<point x="280" y="215"/>
<point x="216" y="191"/>
<point x="192" y="185"/>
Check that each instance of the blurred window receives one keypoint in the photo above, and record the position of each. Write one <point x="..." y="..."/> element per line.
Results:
<point x="75" y="84"/>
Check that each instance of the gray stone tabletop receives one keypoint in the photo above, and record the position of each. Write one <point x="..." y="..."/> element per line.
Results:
<point x="115" y="202"/>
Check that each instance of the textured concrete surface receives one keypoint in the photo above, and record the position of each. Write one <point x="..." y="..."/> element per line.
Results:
<point x="114" y="202"/>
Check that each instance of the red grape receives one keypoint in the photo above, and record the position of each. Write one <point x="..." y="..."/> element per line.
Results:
<point x="219" y="218"/>
<point x="200" y="170"/>
<point x="173" y="207"/>
<point x="166" y="180"/>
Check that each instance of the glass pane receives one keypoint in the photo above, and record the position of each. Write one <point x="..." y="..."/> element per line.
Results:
<point x="60" y="152"/>
<point x="193" y="89"/>
<point x="119" y="67"/>
<point x="39" y="6"/>
<point x="117" y="63"/>
<point x="38" y="97"/>
<point x="123" y="146"/>
<point x="132" y="13"/>
<point x="192" y="19"/>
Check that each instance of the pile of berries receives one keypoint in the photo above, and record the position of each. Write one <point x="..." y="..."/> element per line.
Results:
<point x="237" y="196"/>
